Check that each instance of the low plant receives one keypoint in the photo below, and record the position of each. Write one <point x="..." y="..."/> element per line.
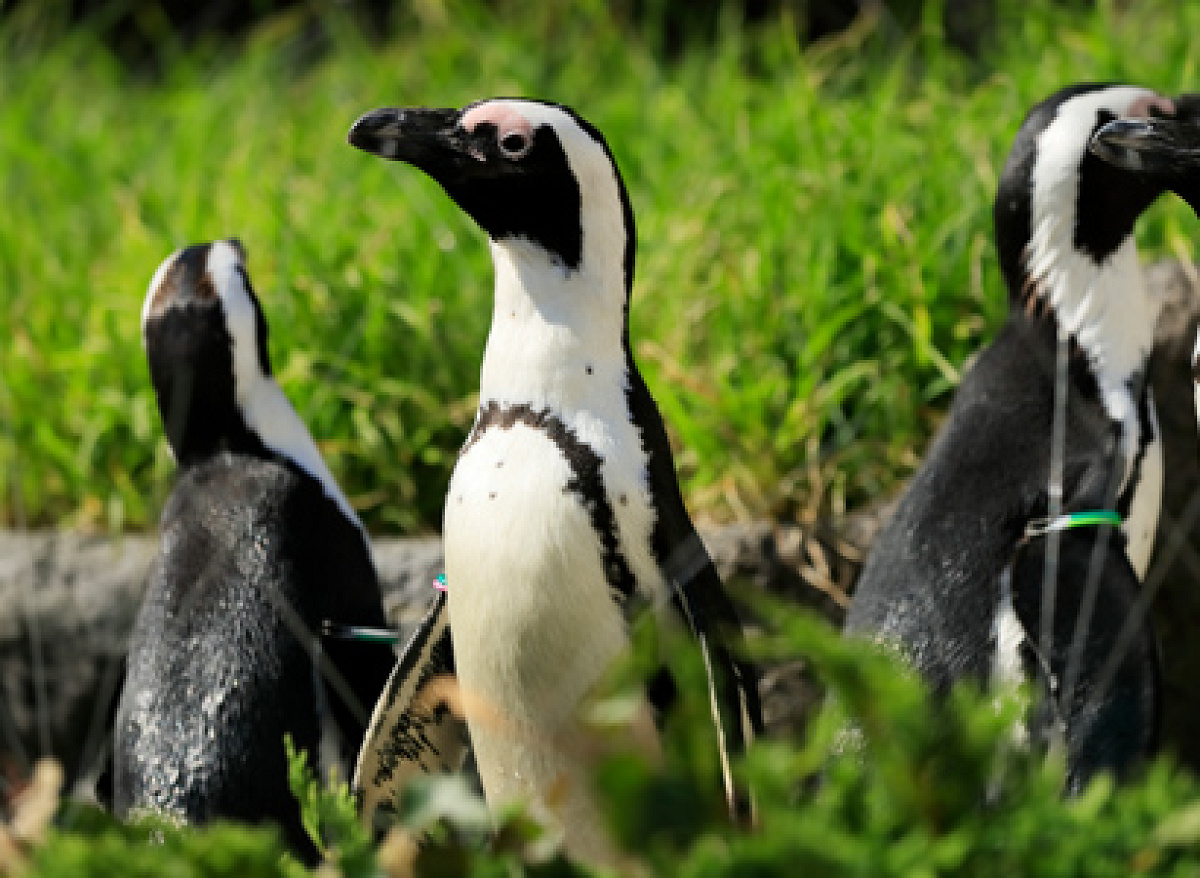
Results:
<point x="921" y="788"/>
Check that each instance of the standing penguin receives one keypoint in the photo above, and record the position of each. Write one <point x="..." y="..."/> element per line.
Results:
<point x="563" y="517"/>
<point x="1017" y="551"/>
<point x="259" y="547"/>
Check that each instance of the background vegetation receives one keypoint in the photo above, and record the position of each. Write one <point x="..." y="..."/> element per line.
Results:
<point x="815" y="265"/>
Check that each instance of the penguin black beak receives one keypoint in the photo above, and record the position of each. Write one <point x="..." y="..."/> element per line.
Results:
<point x="1166" y="146"/>
<point x="429" y="139"/>
<point x="1159" y="146"/>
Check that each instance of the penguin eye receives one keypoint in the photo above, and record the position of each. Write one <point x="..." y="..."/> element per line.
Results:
<point x="515" y="144"/>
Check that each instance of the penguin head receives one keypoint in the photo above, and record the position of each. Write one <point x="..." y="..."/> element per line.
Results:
<point x="1058" y="199"/>
<point x="536" y="177"/>
<point x="206" y="342"/>
<point x="1163" y="149"/>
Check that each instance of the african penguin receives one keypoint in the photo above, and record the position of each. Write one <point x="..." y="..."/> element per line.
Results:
<point x="1165" y="150"/>
<point x="258" y="548"/>
<point x="563" y="517"/>
<point x="1003" y="561"/>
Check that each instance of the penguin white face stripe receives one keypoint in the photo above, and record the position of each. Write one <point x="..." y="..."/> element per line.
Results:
<point x="1103" y="304"/>
<point x="267" y="415"/>
<point x="228" y="277"/>
<point x="1063" y="144"/>
<point x="267" y="411"/>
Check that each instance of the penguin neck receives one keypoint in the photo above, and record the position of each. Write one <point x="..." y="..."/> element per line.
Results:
<point x="558" y="337"/>
<point x="270" y="417"/>
<point x="1107" y="309"/>
<point x="1105" y="306"/>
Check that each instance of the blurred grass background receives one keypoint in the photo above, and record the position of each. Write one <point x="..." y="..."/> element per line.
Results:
<point x="815" y="262"/>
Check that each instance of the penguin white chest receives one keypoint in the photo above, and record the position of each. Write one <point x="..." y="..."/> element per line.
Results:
<point x="1145" y="504"/>
<point x="533" y="618"/>
<point x="1144" y="509"/>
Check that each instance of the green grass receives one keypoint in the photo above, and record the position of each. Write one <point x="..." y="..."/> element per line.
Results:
<point x="815" y="228"/>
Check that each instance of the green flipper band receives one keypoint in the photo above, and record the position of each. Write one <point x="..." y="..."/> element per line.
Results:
<point x="1093" y="518"/>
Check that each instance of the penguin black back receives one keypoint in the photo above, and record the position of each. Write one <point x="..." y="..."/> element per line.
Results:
<point x="954" y="579"/>
<point x="258" y="548"/>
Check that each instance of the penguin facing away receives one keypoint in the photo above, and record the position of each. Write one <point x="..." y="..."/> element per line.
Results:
<point x="258" y="547"/>
<point x="563" y="517"/>
<point x="957" y="580"/>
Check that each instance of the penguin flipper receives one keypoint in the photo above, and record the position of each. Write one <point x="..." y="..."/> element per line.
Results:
<point x="416" y="727"/>
<point x="700" y="598"/>
<point x="1110" y="716"/>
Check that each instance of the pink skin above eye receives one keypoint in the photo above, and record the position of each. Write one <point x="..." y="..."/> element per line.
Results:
<point x="506" y="119"/>
<point x="1140" y="109"/>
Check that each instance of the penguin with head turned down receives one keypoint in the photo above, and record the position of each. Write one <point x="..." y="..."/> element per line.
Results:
<point x="1017" y="551"/>
<point x="563" y="519"/>
<point x="1165" y="151"/>
<point x="259" y="547"/>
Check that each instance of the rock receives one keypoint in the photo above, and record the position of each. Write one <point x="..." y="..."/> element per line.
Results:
<point x="68" y="604"/>
<point x="70" y="601"/>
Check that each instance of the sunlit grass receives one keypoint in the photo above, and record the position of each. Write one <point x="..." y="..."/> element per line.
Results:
<point x="815" y="227"/>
